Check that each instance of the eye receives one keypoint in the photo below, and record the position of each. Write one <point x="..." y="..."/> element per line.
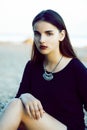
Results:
<point x="36" y="33"/>
<point x="49" y="33"/>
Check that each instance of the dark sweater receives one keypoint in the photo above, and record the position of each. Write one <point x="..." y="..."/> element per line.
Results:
<point x="63" y="97"/>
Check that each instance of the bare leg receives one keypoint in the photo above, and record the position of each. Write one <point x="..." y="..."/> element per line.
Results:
<point x="15" y="113"/>
<point x="47" y="122"/>
<point x="11" y="116"/>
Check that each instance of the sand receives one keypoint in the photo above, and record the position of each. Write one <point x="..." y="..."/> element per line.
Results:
<point x="13" y="58"/>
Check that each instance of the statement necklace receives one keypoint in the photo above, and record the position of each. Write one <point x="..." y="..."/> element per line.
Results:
<point x="49" y="76"/>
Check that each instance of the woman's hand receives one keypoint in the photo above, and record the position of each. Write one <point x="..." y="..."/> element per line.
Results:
<point x="32" y="105"/>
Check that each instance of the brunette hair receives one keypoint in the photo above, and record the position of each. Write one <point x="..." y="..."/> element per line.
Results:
<point x="55" y="19"/>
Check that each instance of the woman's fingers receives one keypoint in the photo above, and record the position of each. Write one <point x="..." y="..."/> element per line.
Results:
<point x="37" y="114"/>
<point x="32" y="105"/>
<point x="32" y="110"/>
<point x="36" y="109"/>
<point x="40" y="108"/>
<point x="28" y="110"/>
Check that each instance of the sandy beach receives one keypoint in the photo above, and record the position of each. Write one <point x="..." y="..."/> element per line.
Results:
<point x="13" y="58"/>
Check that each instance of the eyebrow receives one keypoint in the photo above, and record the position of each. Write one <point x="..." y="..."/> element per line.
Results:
<point x="36" y="31"/>
<point x="48" y="31"/>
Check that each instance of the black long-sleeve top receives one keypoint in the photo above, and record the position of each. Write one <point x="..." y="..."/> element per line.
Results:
<point x="64" y="96"/>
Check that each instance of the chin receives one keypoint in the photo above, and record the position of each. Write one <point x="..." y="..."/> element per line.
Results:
<point x="44" y="53"/>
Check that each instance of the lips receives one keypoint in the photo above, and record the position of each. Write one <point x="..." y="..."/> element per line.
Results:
<point x="43" y="47"/>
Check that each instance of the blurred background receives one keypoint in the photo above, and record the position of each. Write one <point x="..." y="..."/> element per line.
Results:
<point x="16" y="18"/>
<point x="16" y="36"/>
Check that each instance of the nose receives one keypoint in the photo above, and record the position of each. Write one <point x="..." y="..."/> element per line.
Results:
<point x="42" y="39"/>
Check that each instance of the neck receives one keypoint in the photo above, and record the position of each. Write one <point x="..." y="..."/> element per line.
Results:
<point x="52" y="59"/>
<point x="52" y="66"/>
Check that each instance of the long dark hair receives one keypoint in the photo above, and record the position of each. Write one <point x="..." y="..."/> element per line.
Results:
<point x="55" y="19"/>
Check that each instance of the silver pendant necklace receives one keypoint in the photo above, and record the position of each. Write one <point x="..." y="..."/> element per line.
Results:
<point x="49" y="76"/>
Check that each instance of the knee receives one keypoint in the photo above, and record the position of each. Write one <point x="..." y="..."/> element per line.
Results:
<point x="16" y="102"/>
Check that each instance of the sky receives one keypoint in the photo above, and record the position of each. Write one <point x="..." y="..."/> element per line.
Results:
<point x="16" y="16"/>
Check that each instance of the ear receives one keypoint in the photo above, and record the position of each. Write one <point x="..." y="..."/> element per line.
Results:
<point x="62" y="35"/>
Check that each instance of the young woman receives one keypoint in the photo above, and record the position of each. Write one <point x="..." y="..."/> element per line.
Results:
<point x="53" y="90"/>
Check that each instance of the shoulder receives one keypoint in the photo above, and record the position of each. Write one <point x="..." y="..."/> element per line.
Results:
<point x="74" y="64"/>
<point x="30" y="65"/>
<point x="78" y="67"/>
<point x="77" y="63"/>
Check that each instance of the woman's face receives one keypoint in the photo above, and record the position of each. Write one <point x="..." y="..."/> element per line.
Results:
<point x="46" y="37"/>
